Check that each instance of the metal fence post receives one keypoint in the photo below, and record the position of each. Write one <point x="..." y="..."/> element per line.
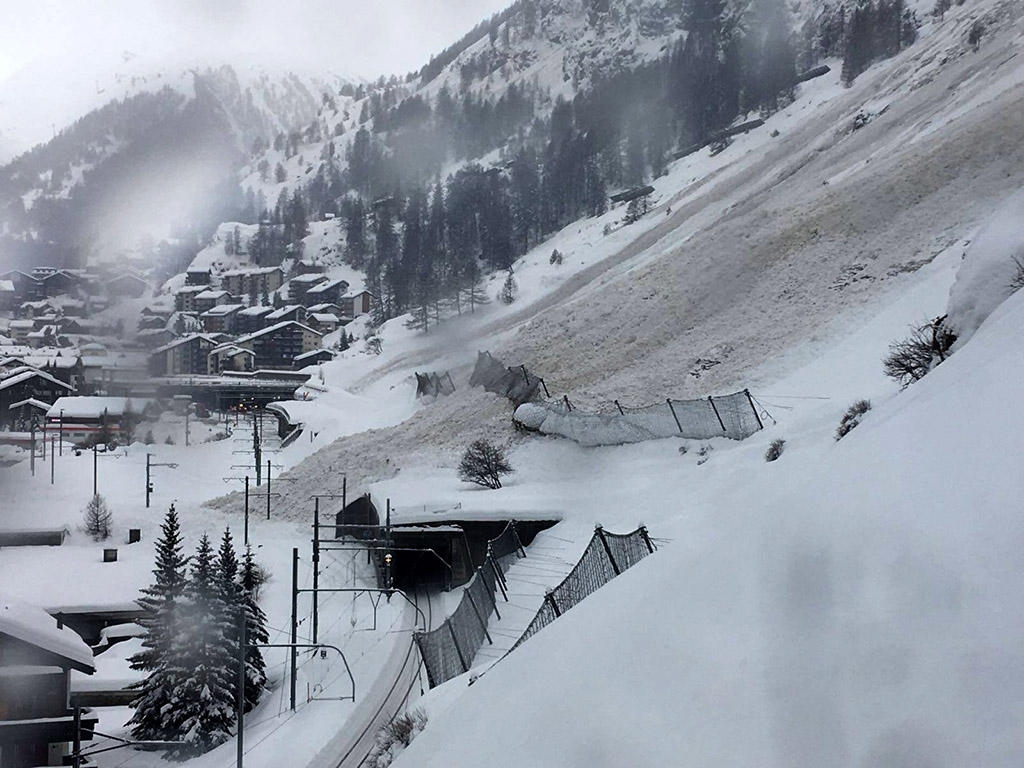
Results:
<point x="476" y="612"/>
<point x="757" y="416"/>
<point x="549" y="597"/>
<point x="455" y="642"/>
<point x="608" y="550"/>
<point x="647" y="539"/>
<point x="673" y="410"/>
<point x="519" y="542"/>
<point x="715" y="409"/>
<point x="491" y="595"/>
<point x="565" y="399"/>
<point x="623" y="414"/>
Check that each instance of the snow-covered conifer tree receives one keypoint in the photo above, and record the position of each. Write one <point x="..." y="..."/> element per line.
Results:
<point x="162" y="602"/>
<point x="255" y="631"/>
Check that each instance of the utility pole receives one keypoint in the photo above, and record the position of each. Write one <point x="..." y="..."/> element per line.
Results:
<point x="240" y="694"/>
<point x="387" y="551"/>
<point x="95" y="454"/>
<point x="295" y="618"/>
<point x="32" y="446"/>
<point x="149" y="480"/>
<point x="246" y="510"/>
<point x="316" y="566"/>
<point x="268" y="489"/>
<point x="256" y="449"/>
<point x="53" y="462"/>
<point x="61" y="447"/>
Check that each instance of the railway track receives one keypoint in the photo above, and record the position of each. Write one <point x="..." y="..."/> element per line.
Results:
<point x="387" y="698"/>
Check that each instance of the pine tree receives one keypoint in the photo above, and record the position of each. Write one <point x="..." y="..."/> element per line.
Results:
<point x="255" y="630"/>
<point x="204" y="711"/>
<point x="161" y="603"/>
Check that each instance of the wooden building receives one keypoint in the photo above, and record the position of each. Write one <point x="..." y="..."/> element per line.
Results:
<point x="277" y="347"/>
<point x="37" y="655"/>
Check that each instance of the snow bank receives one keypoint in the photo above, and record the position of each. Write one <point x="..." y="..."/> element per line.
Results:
<point x="983" y="282"/>
<point x="865" y="614"/>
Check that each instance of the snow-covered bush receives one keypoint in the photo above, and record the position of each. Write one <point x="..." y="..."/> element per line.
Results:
<point x="852" y="417"/>
<point x="910" y="359"/>
<point x="556" y="257"/>
<point x="509" y="290"/>
<point x="484" y="463"/>
<point x="1017" y="282"/>
<point x="98" y="518"/>
<point x="149" y="439"/>
<point x="775" y="450"/>
<point x="395" y="736"/>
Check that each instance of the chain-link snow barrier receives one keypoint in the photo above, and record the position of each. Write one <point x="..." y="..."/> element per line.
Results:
<point x="606" y="556"/>
<point x="517" y="384"/>
<point x="433" y="384"/>
<point x="733" y="416"/>
<point x="448" y="650"/>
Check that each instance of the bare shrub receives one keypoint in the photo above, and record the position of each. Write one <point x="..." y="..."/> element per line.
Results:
<point x="911" y="359"/>
<point x="852" y="417"/>
<point x="98" y="518"/>
<point x="1018" y="278"/>
<point x="484" y="464"/>
<point x="556" y="257"/>
<point x="775" y="450"/>
<point x="395" y="736"/>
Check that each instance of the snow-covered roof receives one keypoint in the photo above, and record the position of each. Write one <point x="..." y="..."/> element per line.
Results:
<point x="183" y="340"/>
<point x="7" y="286"/>
<point x="231" y="349"/>
<point x="309" y="277"/>
<point x="211" y="293"/>
<point x="324" y="287"/>
<point x="275" y="328"/>
<point x="30" y="401"/>
<point x="313" y="353"/>
<point x="33" y="625"/>
<point x="325" y="317"/>
<point x="255" y="271"/>
<point x="283" y="311"/>
<point x="222" y="310"/>
<point x="191" y="289"/>
<point x="94" y="407"/>
<point x="18" y="378"/>
<point x="256" y="311"/>
<point x="322" y="307"/>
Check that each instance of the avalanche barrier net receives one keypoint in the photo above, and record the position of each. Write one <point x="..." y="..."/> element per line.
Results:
<point x="433" y="384"/>
<point x="606" y="556"/>
<point x="448" y="650"/>
<point x="733" y="416"/>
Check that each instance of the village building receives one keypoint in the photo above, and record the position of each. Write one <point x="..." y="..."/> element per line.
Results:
<point x="83" y="420"/>
<point x="126" y="284"/>
<point x="37" y="655"/>
<point x="8" y="295"/>
<point x="314" y="357"/>
<point x="252" y="319"/>
<point x="185" y="297"/>
<point x="23" y="414"/>
<point x="308" y="267"/>
<point x="20" y="329"/>
<point x="356" y="304"/>
<point x="330" y="292"/>
<point x="59" y="282"/>
<point x="277" y="347"/>
<point x="300" y="284"/>
<point x="210" y="298"/>
<point x="252" y="282"/>
<point x="26" y="287"/>
<point x="27" y="383"/>
<point x="221" y="318"/>
<point x="324" y="322"/>
<point x="182" y="356"/>
<point x="197" y="277"/>
<point x="230" y="357"/>
<point x="151" y="338"/>
<point x="295" y="312"/>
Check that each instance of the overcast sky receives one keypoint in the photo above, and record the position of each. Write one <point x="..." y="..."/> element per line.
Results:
<point x="364" y="37"/>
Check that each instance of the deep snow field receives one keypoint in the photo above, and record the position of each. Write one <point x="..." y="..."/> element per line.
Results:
<point x="855" y="603"/>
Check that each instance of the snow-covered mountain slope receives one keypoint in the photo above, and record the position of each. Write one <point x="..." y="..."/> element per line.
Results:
<point x="161" y="154"/>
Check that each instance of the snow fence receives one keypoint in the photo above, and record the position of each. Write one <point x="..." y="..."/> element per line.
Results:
<point x="448" y="650"/>
<point x="606" y="556"/>
<point x="733" y="416"/>
<point x="432" y="384"/>
<point x="517" y="384"/>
